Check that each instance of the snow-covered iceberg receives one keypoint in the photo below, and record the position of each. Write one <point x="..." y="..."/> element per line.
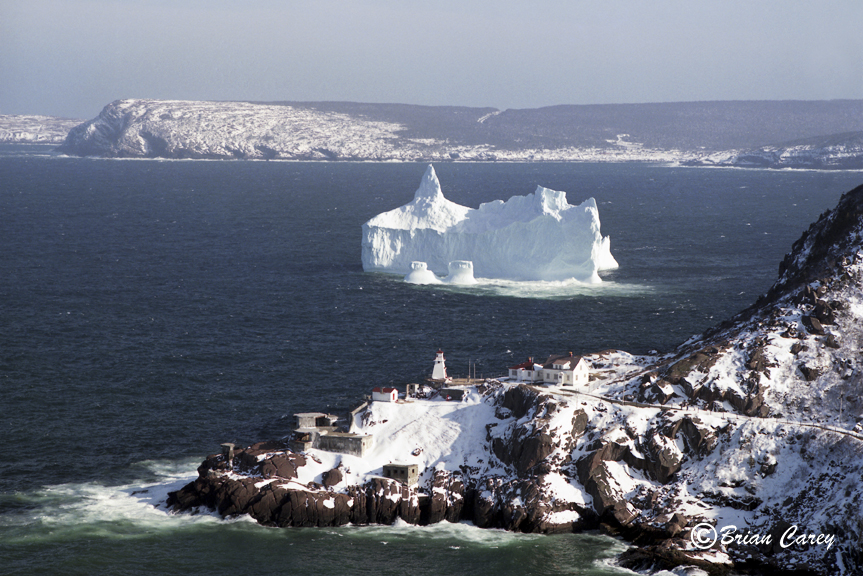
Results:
<point x="535" y="237"/>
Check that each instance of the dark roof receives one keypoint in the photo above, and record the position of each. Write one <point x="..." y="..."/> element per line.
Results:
<point x="560" y="359"/>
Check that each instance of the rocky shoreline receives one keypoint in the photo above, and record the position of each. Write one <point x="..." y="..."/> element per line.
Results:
<point x="739" y="451"/>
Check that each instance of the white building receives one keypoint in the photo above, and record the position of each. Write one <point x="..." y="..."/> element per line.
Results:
<point x="382" y="394"/>
<point x="439" y="370"/>
<point x="526" y="372"/>
<point x="561" y="369"/>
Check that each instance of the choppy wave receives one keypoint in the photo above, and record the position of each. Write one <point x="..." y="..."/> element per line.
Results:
<point x="462" y="532"/>
<point x="56" y="511"/>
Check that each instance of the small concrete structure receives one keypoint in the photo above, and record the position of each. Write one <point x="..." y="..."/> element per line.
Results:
<point x="303" y="439"/>
<point x="384" y="394"/>
<point x="228" y="451"/>
<point x="353" y="415"/>
<point x="457" y="394"/>
<point x="407" y="474"/>
<point x="315" y="419"/>
<point x="324" y="439"/>
<point x="345" y="443"/>
<point x="318" y="430"/>
<point x="411" y="390"/>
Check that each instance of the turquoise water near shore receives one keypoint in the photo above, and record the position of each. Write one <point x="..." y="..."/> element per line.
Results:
<point x="152" y="310"/>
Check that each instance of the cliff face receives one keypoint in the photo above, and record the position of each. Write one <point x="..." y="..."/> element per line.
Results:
<point x="740" y="449"/>
<point x="704" y="133"/>
<point x="228" y="130"/>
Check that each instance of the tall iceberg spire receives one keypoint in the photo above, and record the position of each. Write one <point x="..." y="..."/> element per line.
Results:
<point x="429" y="186"/>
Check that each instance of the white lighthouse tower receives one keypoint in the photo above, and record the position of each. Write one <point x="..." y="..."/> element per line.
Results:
<point x="439" y="370"/>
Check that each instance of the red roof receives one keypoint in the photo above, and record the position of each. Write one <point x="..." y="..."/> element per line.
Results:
<point x="527" y="365"/>
<point x="382" y="390"/>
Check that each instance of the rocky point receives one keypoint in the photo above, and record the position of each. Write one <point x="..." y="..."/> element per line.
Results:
<point x="738" y="451"/>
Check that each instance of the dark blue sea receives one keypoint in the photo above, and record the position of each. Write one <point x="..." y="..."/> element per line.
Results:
<point x="150" y="310"/>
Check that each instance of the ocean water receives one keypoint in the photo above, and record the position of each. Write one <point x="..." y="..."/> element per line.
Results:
<point x="151" y="310"/>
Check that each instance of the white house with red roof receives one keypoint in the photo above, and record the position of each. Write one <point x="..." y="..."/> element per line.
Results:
<point x="526" y="372"/>
<point x="384" y="394"/>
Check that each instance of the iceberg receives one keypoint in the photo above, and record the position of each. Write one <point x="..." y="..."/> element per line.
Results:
<point x="527" y="238"/>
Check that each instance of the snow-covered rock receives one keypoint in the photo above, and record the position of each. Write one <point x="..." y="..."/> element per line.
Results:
<point x="230" y="130"/>
<point x="535" y="237"/>
<point x="35" y="129"/>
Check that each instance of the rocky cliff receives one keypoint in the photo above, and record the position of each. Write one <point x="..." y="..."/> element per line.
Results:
<point x="740" y="450"/>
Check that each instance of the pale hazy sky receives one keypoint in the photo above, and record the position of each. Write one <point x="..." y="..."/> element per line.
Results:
<point x="71" y="57"/>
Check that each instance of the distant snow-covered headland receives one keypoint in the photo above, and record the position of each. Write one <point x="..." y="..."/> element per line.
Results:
<point x="35" y="129"/>
<point x="825" y="134"/>
<point x="535" y="237"/>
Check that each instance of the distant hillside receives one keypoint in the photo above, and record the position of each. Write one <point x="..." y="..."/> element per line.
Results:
<point x="702" y="133"/>
<point x="35" y="129"/>
<point x="711" y="126"/>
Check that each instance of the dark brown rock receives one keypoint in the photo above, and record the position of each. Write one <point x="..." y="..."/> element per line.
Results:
<point x="383" y="497"/>
<point x="332" y="477"/>
<point x="282" y="465"/>
<point x="757" y="360"/>
<point x="579" y="423"/>
<point x="520" y="399"/>
<point x="809" y="373"/>
<point x="664" y="460"/>
<point x="235" y="496"/>
<point x="700" y="438"/>
<point x="823" y="312"/>
<point x="813" y="325"/>
<point x="265" y="508"/>
<point x="358" y="511"/>
<point x="702" y="360"/>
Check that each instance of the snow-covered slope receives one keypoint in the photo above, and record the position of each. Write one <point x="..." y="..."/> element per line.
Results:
<point x="535" y="237"/>
<point x="35" y="129"/>
<point x="842" y="151"/>
<point x="180" y="129"/>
